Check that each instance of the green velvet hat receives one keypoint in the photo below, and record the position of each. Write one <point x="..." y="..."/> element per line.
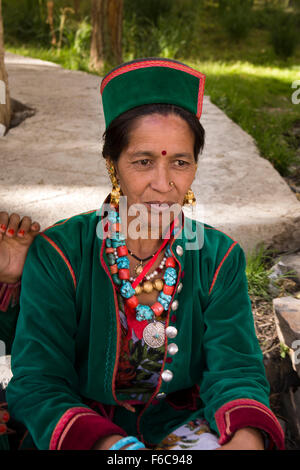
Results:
<point x="151" y="80"/>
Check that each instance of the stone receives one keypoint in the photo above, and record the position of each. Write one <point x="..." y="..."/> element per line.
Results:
<point x="291" y="410"/>
<point x="288" y="264"/>
<point x="287" y="320"/>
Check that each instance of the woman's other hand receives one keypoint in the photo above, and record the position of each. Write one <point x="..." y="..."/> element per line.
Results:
<point x="245" y="439"/>
<point x="16" y="236"/>
<point x="106" y="442"/>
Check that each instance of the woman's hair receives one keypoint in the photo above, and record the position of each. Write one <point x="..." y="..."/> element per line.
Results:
<point x="116" y="136"/>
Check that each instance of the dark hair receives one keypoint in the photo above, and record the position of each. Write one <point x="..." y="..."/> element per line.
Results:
<point x="116" y="136"/>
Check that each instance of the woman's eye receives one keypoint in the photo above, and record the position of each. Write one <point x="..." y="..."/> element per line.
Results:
<point x="143" y="162"/>
<point x="182" y="163"/>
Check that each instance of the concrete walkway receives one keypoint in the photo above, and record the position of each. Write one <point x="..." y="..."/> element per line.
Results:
<point x="52" y="168"/>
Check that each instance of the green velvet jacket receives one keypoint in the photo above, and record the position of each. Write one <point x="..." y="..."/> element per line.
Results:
<point x="67" y="343"/>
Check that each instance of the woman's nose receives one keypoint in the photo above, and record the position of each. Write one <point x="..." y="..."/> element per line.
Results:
<point x="161" y="180"/>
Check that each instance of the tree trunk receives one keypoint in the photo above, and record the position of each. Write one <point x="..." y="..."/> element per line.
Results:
<point x="106" y="43"/>
<point x="5" y="109"/>
<point x="50" y="21"/>
<point x="76" y="4"/>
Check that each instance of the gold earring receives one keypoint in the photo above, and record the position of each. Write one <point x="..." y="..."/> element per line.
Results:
<point x="116" y="190"/>
<point x="189" y="198"/>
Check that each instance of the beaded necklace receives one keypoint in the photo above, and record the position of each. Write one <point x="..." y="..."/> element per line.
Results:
<point x="153" y="332"/>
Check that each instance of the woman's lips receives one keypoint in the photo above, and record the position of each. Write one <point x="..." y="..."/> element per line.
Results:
<point x="159" y="206"/>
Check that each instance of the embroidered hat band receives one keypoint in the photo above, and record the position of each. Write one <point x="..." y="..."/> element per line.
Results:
<point x="151" y="80"/>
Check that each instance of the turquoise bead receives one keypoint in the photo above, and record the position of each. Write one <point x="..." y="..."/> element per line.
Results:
<point x="111" y="259"/>
<point x="164" y="299"/>
<point x="113" y="217"/>
<point x="123" y="262"/>
<point x="117" y="236"/>
<point x="127" y="290"/>
<point x="144" y="312"/>
<point x="168" y="252"/>
<point x="116" y="243"/>
<point x="108" y="242"/>
<point x="170" y="276"/>
<point x="116" y="279"/>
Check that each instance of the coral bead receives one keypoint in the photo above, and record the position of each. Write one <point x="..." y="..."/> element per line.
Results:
<point x="170" y="263"/>
<point x="124" y="273"/>
<point x="168" y="289"/>
<point x="122" y="250"/>
<point x="132" y="302"/>
<point x="157" y="308"/>
<point x="115" y="227"/>
<point x="109" y="250"/>
<point x="114" y="269"/>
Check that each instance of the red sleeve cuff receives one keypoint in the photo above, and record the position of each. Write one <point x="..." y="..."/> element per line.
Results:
<point x="246" y="412"/>
<point x="79" y="428"/>
<point x="9" y="294"/>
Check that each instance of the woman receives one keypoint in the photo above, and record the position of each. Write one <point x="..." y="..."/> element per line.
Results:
<point x="131" y="334"/>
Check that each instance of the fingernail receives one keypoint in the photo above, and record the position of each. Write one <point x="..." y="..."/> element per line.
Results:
<point x="5" y="417"/>
<point x="3" y="429"/>
<point x="21" y="232"/>
<point x="3" y="227"/>
<point x="11" y="231"/>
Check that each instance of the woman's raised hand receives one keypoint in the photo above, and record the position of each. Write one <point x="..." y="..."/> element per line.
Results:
<point x="16" y="236"/>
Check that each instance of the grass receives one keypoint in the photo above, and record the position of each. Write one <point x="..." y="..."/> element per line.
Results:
<point x="257" y="272"/>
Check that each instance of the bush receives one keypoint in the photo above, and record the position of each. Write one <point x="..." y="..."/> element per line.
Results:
<point x="83" y="38"/>
<point x="146" y="10"/>
<point x="283" y="33"/>
<point x="236" y="17"/>
<point x="25" y="20"/>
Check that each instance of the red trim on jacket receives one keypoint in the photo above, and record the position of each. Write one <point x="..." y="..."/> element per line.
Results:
<point x="245" y="412"/>
<point x="220" y="265"/>
<point x="79" y="428"/>
<point x="63" y="257"/>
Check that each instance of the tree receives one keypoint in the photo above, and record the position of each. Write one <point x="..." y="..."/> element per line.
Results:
<point x="106" y="43"/>
<point x="5" y="109"/>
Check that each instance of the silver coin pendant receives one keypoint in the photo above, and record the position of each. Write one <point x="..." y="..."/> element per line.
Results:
<point x="154" y="334"/>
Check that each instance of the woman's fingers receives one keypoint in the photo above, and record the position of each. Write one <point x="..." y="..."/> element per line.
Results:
<point x="35" y="227"/>
<point x="13" y="225"/>
<point x="3" y="221"/>
<point x="4" y="416"/>
<point x="24" y="226"/>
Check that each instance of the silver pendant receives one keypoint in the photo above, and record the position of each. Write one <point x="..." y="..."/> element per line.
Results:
<point x="154" y="334"/>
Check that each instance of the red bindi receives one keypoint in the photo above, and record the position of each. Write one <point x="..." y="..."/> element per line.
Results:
<point x="163" y="152"/>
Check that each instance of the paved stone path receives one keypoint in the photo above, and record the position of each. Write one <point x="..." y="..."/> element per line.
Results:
<point x="51" y="165"/>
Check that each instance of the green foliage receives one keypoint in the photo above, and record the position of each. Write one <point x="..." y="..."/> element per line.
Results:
<point x="146" y="11"/>
<point x="257" y="273"/>
<point x="26" y="20"/>
<point x="284" y="350"/>
<point x="258" y="269"/>
<point x="236" y="16"/>
<point x="82" y="38"/>
<point x="160" y="34"/>
<point x="284" y="33"/>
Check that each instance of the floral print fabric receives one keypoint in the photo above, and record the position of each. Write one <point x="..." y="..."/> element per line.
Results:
<point x="194" y="435"/>
<point x="139" y="364"/>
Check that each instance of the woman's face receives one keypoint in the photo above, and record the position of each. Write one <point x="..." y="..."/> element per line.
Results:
<point x="160" y="150"/>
